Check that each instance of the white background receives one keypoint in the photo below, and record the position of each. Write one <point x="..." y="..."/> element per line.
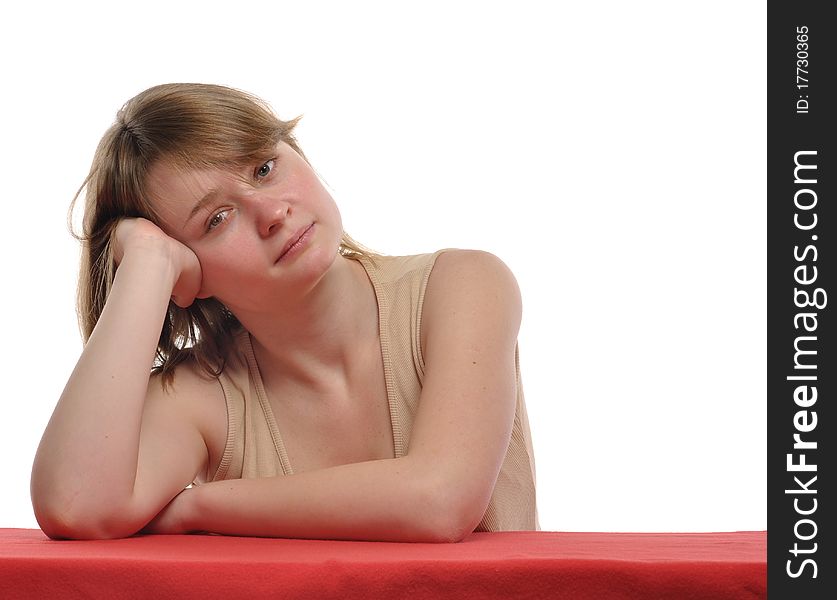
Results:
<point x="612" y="153"/>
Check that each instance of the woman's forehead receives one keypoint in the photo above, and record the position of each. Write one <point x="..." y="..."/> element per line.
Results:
<point x="174" y="190"/>
<point x="168" y="181"/>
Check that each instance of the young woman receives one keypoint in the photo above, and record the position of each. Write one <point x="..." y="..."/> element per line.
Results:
<point x="238" y="340"/>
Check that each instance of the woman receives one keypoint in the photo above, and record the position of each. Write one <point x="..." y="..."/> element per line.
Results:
<point x="306" y="386"/>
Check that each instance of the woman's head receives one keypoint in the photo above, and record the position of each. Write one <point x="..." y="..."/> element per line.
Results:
<point x="187" y="126"/>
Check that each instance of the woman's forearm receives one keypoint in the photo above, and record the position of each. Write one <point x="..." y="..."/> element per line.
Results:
<point x="87" y="459"/>
<point x="382" y="500"/>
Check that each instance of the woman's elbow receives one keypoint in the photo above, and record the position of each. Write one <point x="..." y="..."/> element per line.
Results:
<point x="450" y="533"/>
<point x="454" y="516"/>
<point x="63" y="527"/>
<point x="460" y="523"/>
<point x="59" y="522"/>
<point x="59" y="527"/>
<point x="64" y="513"/>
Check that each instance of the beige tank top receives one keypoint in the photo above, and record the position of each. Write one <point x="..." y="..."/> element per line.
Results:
<point x="254" y="447"/>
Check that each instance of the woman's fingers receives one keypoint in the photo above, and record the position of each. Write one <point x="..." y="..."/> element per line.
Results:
<point x="142" y="236"/>
<point x="188" y="284"/>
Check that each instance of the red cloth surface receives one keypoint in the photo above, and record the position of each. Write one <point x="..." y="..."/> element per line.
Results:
<point x="520" y="564"/>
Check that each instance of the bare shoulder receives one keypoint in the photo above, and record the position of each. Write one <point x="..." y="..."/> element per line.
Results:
<point x="472" y="284"/>
<point x="469" y="274"/>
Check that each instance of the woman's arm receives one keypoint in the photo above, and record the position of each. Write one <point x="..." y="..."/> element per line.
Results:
<point x="381" y="500"/>
<point x="85" y="475"/>
<point x="438" y="491"/>
<point x="470" y="322"/>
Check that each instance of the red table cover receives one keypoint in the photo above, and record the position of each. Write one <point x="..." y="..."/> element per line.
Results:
<point x="519" y="564"/>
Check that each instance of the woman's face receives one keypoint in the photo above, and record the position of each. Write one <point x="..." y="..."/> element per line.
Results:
<point x="245" y="227"/>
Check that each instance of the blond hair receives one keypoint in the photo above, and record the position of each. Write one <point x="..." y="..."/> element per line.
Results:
<point x="192" y="126"/>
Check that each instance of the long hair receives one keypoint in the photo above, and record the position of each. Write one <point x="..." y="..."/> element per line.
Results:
<point x="192" y="126"/>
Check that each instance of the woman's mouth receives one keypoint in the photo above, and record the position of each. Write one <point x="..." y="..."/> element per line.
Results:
<point x="299" y="241"/>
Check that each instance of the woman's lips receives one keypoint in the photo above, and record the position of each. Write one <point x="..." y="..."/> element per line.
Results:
<point x="296" y="242"/>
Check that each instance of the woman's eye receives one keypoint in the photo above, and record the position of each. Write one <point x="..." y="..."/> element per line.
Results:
<point x="217" y="220"/>
<point x="265" y="169"/>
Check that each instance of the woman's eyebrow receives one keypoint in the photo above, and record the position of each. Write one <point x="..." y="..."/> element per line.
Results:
<point x="207" y="198"/>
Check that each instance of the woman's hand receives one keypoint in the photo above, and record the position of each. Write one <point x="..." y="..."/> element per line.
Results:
<point x="138" y="235"/>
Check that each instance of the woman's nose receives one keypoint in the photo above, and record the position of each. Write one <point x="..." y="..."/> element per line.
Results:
<point x="272" y="215"/>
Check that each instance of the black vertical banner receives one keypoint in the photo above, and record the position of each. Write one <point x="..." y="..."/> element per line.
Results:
<point x="801" y="301"/>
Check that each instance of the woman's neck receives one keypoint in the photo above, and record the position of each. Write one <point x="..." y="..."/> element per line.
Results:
<point x="319" y="338"/>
